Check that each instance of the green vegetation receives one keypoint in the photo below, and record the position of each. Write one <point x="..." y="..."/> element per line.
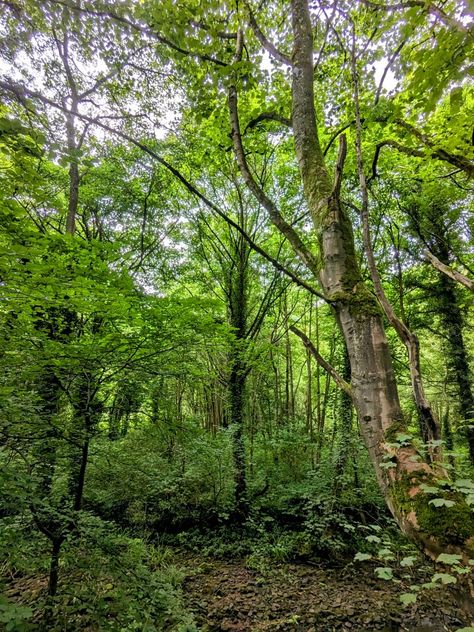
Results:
<point x="236" y="315"/>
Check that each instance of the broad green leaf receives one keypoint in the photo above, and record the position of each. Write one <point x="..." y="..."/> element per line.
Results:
<point x="447" y="558"/>
<point x="442" y="502"/>
<point x="408" y="561"/>
<point x="384" y="572"/>
<point x="444" y="578"/>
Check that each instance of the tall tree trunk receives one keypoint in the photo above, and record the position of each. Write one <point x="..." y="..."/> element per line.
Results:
<point x="238" y="372"/>
<point x="374" y="388"/>
<point x="74" y="178"/>
<point x="458" y="361"/>
<point x="344" y="413"/>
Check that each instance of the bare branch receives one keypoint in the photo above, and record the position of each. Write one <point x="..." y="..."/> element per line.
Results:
<point x="448" y="271"/>
<point x="267" y="45"/>
<point x="345" y="386"/>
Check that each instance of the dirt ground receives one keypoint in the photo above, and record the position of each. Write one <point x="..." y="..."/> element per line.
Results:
<point x="229" y="597"/>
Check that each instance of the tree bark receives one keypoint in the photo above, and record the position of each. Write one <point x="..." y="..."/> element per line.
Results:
<point x="373" y="384"/>
<point x="54" y="566"/>
<point x="458" y="360"/>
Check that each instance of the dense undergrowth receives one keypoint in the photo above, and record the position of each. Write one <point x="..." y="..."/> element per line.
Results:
<point x="148" y="499"/>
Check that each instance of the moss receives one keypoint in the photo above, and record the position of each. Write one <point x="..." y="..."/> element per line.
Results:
<point x="354" y="293"/>
<point x="363" y="302"/>
<point x="452" y="525"/>
<point x="358" y="297"/>
<point x="449" y="525"/>
<point x="396" y="427"/>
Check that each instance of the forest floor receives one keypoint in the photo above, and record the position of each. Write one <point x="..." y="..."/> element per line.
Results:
<point x="229" y="596"/>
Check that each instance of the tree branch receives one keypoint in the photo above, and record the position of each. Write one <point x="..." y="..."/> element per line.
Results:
<point x="275" y="216"/>
<point x="22" y="93"/>
<point x="391" y="59"/>
<point x="345" y="386"/>
<point x="430" y="427"/>
<point x="149" y="31"/>
<point x="429" y="7"/>
<point x="448" y="271"/>
<point x="268" y="116"/>
<point x="267" y="45"/>
<point x="439" y="154"/>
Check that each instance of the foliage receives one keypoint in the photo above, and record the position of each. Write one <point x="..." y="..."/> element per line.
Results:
<point x="152" y="392"/>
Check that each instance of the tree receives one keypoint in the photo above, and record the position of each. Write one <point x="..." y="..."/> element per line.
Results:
<point x="208" y="57"/>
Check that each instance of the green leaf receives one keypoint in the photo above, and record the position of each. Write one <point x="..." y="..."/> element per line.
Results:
<point x="408" y="561"/>
<point x="362" y="557"/>
<point x="446" y="558"/>
<point x="464" y="482"/>
<point x="444" y="578"/>
<point x="384" y="572"/>
<point x="403" y="438"/>
<point x="442" y="502"/>
<point x="387" y="466"/>
<point x="407" y="598"/>
<point x="428" y="489"/>
<point x="386" y="554"/>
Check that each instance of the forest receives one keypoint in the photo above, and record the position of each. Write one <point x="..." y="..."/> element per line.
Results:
<point x="236" y="315"/>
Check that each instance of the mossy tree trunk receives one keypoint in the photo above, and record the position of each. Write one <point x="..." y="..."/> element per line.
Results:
<point x="373" y="383"/>
<point x="432" y="226"/>
<point x="458" y="360"/>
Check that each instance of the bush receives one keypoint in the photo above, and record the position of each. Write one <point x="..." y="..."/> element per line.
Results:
<point x="108" y="581"/>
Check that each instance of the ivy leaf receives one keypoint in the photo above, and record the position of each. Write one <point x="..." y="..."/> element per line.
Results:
<point x="442" y="502"/>
<point x="362" y="557"/>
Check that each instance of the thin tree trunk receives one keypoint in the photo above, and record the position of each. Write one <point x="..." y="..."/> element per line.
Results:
<point x="344" y="413"/>
<point x="309" y="381"/>
<point x="54" y="567"/>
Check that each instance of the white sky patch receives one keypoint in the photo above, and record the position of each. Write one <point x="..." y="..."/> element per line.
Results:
<point x="390" y="82"/>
